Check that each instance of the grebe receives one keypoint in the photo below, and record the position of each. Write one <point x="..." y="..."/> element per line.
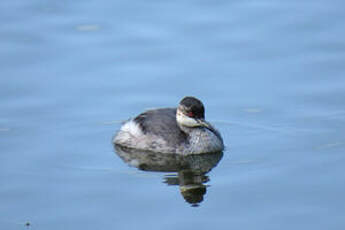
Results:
<point x="181" y="130"/>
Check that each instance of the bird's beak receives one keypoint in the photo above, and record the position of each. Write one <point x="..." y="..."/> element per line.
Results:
<point x="203" y="123"/>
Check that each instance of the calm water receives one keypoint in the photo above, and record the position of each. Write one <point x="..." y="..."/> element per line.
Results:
<point x="270" y="73"/>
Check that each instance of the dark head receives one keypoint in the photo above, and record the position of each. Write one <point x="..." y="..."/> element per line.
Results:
<point x="192" y="107"/>
<point x="191" y="113"/>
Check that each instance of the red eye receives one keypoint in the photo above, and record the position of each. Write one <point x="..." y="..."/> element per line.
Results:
<point x="190" y="114"/>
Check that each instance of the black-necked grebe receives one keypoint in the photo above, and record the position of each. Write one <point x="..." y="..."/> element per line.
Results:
<point x="170" y="130"/>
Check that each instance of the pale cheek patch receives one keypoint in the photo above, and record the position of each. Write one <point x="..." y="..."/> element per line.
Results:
<point x="186" y="121"/>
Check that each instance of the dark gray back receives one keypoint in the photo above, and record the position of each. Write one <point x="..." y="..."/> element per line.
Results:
<point x="162" y="122"/>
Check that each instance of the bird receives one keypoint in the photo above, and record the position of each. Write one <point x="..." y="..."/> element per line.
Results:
<point x="181" y="130"/>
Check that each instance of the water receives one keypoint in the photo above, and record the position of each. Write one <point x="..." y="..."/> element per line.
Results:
<point x="270" y="73"/>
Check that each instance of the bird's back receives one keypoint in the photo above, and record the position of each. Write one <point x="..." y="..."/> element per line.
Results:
<point x="162" y="123"/>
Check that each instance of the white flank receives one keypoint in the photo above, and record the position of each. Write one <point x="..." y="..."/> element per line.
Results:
<point x="132" y="128"/>
<point x="128" y="131"/>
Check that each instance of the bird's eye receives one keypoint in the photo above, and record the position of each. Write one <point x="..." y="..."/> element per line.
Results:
<point x="190" y="114"/>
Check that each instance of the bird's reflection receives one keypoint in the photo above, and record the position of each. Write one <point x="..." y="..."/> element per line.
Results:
<point x="191" y="169"/>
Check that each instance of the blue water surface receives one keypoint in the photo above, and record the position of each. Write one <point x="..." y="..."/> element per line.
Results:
<point x="270" y="73"/>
